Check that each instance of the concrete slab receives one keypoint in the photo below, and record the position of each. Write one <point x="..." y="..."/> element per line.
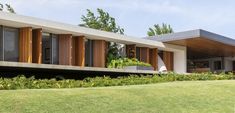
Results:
<point x="72" y="68"/>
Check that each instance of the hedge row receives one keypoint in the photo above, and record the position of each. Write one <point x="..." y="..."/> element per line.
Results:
<point x="22" y="82"/>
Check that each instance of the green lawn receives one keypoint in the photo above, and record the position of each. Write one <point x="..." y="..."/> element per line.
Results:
<point x="173" y="97"/>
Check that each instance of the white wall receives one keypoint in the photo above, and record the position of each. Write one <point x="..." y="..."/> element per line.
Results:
<point x="228" y="63"/>
<point x="180" y="61"/>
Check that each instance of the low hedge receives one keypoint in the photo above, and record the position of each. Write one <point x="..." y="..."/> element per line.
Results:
<point x="21" y="82"/>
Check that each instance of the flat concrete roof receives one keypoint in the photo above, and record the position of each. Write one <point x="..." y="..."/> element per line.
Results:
<point x="15" y="20"/>
<point x="192" y="34"/>
<point x="71" y="68"/>
<point x="200" y="43"/>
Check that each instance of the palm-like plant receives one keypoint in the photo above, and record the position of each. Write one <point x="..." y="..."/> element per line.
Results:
<point x="159" y="30"/>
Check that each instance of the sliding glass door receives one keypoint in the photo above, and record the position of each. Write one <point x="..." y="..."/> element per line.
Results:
<point x="9" y="44"/>
<point x="50" y="49"/>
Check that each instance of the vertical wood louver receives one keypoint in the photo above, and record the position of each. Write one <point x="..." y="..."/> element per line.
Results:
<point x="78" y="51"/>
<point x="99" y="53"/>
<point x="168" y="60"/>
<point x="153" y="58"/>
<point x="25" y="45"/>
<point x="37" y="46"/>
<point x="65" y="49"/>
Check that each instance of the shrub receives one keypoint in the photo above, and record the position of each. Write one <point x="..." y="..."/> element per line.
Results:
<point x="22" y="82"/>
<point x="122" y="62"/>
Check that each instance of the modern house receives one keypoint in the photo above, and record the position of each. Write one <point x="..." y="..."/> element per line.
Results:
<point x="32" y="43"/>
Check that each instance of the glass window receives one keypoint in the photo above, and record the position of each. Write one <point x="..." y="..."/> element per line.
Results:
<point x="55" y="49"/>
<point x="217" y="65"/>
<point x="11" y="44"/>
<point x="138" y="53"/>
<point x="46" y="48"/>
<point x="88" y="53"/>
<point x="1" y="43"/>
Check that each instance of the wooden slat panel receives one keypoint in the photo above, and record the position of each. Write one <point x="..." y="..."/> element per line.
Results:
<point x="168" y="60"/>
<point x="131" y="51"/>
<point x="78" y="51"/>
<point x="201" y="47"/>
<point x="153" y="58"/>
<point x="99" y="53"/>
<point x="74" y="43"/>
<point x="65" y="49"/>
<point x="144" y="54"/>
<point x="37" y="46"/>
<point x="25" y="45"/>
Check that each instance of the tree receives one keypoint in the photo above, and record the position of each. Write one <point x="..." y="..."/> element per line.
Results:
<point x="159" y="30"/>
<point x="7" y="7"/>
<point x="103" y="21"/>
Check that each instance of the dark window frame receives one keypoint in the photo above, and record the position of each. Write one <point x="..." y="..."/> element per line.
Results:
<point x="1" y="44"/>
<point x="138" y="53"/>
<point x="89" y="53"/>
<point x="55" y="58"/>
<point x="16" y="30"/>
<point x="219" y="64"/>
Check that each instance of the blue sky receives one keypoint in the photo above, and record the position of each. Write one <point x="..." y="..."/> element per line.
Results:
<point x="136" y="16"/>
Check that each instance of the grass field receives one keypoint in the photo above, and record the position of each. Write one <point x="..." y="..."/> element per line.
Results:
<point x="173" y="97"/>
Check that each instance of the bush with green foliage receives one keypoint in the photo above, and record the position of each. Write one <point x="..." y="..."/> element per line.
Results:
<point x="22" y="82"/>
<point x="122" y="62"/>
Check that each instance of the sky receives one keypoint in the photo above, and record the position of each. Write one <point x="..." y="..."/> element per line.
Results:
<point x="136" y="16"/>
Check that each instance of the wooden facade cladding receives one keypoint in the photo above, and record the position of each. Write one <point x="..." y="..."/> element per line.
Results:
<point x="168" y="59"/>
<point x="65" y="49"/>
<point x="99" y="53"/>
<point x="144" y="54"/>
<point x="131" y="51"/>
<point x="153" y="58"/>
<point x="37" y="46"/>
<point x="78" y="58"/>
<point x="25" y="45"/>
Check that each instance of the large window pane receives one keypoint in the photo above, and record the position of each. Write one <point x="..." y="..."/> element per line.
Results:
<point x="11" y="44"/>
<point x="1" y="43"/>
<point x="46" y="48"/>
<point x="88" y="53"/>
<point x="138" y="53"/>
<point x="55" y="49"/>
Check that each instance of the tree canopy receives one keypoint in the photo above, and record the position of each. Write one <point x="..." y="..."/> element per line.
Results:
<point x="159" y="30"/>
<point x="103" y="21"/>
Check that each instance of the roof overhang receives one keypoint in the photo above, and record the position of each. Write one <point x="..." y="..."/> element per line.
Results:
<point x="200" y="43"/>
<point x="14" y="20"/>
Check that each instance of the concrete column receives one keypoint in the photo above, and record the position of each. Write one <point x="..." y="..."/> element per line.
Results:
<point x="180" y="61"/>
